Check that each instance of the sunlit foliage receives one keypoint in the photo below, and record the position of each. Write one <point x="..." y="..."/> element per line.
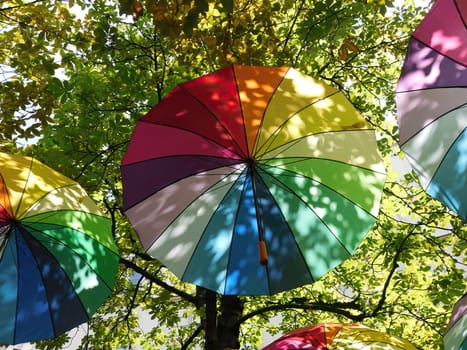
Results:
<point x="75" y="77"/>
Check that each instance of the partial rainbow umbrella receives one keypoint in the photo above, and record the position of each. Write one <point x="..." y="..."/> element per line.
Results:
<point x="431" y="98"/>
<point x="455" y="337"/>
<point x="252" y="180"/>
<point x="338" y="336"/>
<point x="58" y="260"/>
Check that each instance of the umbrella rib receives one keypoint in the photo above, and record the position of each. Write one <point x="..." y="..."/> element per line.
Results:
<point x="55" y="189"/>
<point x="194" y="199"/>
<point x="4" y="237"/>
<point x="35" y="261"/>
<point x="232" y="236"/>
<point x="17" y="289"/>
<point x="241" y="155"/>
<point x="227" y="132"/>
<point x="328" y="159"/>
<point x="293" y="142"/>
<point x="260" y="128"/>
<point x="311" y="208"/>
<point x="384" y="340"/>
<point x="251" y="173"/>
<point x="61" y="243"/>
<point x="5" y="195"/>
<point x="455" y="316"/>
<point x="432" y="88"/>
<point x="439" y="52"/>
<point x="439" y="165"/>
<point x="239" y="161"/>
<point x="461" y="14"/>
<point x="25" y="186"/>
<point x="319" y="182"/>
<point x="276" y="132"/>
<point x="182" y="155"/>
<point x="204" y="230"/>
<point x="287" y="224"/>
<point x="53" y="212"/>
<point x="434" y="121"/>
<point x="241" y="111"/>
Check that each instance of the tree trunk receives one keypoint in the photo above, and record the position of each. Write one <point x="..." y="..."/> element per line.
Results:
<point x="221" y="326"/>
<point x="210" y="324"/>
<point x="228" y="326"/>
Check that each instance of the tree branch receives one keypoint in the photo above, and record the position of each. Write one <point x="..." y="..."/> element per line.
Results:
<point x="399" y="250"/>
<point x="192" y="337"/>
<point x="159" y="282"/>
<point x="337" y="308"/>
<point x="291" y="28"/>
<point x="19" y="6"/>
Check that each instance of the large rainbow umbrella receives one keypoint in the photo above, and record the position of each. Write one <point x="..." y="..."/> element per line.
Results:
<point x="455" y="337"/>
<point x="252" y="180"/>
<point x="431" y="99"/>
<point x="58" y="260"/>
<point x="338" y="336"/>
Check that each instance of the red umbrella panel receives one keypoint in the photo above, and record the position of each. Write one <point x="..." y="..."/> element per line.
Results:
<point x="338" y="336"/>
<point x="246" y="161"/>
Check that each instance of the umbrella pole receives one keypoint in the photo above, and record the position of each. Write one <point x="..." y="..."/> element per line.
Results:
<point x="263" y="254"/>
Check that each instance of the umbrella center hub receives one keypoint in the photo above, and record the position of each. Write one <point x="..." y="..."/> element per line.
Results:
<point x="250" y="162"/>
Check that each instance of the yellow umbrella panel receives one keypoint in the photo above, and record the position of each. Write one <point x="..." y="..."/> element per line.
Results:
<point x="58" y="259"/>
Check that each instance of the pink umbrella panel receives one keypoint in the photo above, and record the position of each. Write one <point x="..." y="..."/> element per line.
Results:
<point x="252" y="180"/>
<point x="338" y="336"/>
<point x="431" y="100"/>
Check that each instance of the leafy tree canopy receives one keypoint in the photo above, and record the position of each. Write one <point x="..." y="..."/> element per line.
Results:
<point x="77" y="75"/>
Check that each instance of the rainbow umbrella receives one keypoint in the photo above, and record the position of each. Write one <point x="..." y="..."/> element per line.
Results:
<point x="431" y="99"/>
<point x="338" y="336"/>
<point x="252" y="180"/>
<point x="58" y="260"/>
<point x="455" y="337"/>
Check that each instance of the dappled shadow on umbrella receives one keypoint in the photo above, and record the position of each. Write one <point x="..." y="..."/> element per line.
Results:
<point x="326" y="159"/>
<point x="338" y="336"/>
<point x="430" y="85"/>
<point x="167" y="208"/>
<point x="302" y="106"/>
<point x="59" y="261"/>
<point x="443" y="28"/>
<point x="366" y="338"/>
<point x="304" y="180"/>
<point x="328" y="224"/>
<point x="431" y="102"/>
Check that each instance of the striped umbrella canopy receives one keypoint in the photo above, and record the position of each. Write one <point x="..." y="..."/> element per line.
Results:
<point x="252" y="180"/>
<point x="339" y="336"/>
<point x="431" y="98"/>
<point x="58" y="260"/>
